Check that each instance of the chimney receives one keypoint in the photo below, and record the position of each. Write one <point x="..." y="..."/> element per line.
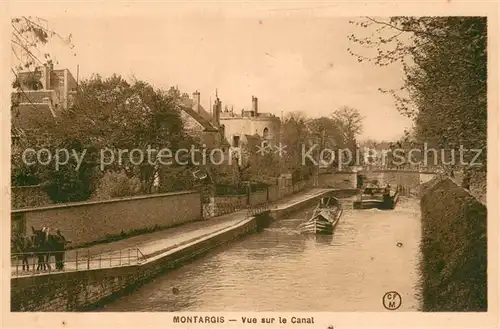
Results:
<point x="46" y="76"/>
<point x="196" y="101"/>
<point x="216" y="111"/>
<point x="255" y="105"/>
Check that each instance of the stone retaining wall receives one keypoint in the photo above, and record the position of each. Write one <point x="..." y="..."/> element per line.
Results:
<point x="73" y="291"/>
<point x="86" y="222"/>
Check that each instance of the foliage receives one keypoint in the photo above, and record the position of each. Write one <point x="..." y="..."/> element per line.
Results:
<point x="454" y="249"/>
<point x="113" y="115"/>
<point x="108" y="116"/>
<point x="295" y="136"/>
<point x="21" y="173"/>
<point x="116" y="185"/>
<point x="444" y="63"/>
<point x="349" y="123"/>
<point x="29" y="36"/>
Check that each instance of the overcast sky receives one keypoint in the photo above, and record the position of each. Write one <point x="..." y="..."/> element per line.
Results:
<point x="291" y="63"/>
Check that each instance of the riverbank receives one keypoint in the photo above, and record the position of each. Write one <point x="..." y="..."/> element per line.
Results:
<point x="454" y="249"/>
<point x="272" y="271"/>
<point x="63" y="291"/>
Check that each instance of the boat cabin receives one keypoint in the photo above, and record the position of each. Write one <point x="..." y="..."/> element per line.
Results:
<point x="375" y="191"/>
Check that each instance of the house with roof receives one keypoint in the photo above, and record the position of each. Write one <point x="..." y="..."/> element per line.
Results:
<point x="199" y="123"/>
<point x="40" y="97"/>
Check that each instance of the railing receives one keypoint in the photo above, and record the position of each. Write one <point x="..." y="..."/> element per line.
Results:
<point x="35" y="263"/>
<point x="214" y="206"/>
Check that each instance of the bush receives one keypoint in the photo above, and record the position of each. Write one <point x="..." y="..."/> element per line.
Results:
<point x="117" y="185"/>
<point x="454" y="249"/>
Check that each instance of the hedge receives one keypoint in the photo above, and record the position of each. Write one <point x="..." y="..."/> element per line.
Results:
<point x="453" y="266"/>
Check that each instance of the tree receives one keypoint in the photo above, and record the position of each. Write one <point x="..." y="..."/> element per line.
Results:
<point x="116" y="185"/>
<point x="120" y="126"/>
<point x="133" y="118"/>
<point x="444" y="65"/>
<point x="295" y="136"/>
<point x="349" y="122"/>
<point x="29" y="37"/>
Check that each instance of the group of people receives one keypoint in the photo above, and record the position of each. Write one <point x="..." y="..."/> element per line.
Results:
<point x="41" y="244"/>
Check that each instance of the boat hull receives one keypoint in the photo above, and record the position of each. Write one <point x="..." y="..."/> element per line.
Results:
<point x="320" y="223"/>
<point x="387" y="204"/>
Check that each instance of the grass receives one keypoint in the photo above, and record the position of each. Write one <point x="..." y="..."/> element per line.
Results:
<point x="454" y="249"/>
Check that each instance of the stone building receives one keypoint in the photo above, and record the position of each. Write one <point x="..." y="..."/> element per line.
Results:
<point x="44" y="93"/>
<point x="249" y="122"/>
<point x="202" y="125"/>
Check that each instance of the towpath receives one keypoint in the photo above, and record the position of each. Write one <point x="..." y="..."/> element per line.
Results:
<point x="125" y="251"/>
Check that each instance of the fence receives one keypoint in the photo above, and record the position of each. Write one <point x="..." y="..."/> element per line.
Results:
<point x="34" y="263"/>
<point x="255" y="200"/>
<point x="408" y="191"/>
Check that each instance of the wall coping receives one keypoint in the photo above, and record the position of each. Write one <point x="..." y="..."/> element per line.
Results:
<point x="337" y="172"/>
<point x="25" y="187"/>
<point x="88" y="203"/>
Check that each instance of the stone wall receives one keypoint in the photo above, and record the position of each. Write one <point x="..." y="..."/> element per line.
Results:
<point x="454" y="249"/>
<point x="338" y="180"/>
<point x="393" y="178"/>
<point x="224" y="204"/>
<point x="258" y="197"/>
<point x="86" y="222"/>
<point x="75" y="291"/>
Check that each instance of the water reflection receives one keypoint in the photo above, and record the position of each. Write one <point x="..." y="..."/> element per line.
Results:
<point x="280" y="269"/>
<point x="325" y="240"/>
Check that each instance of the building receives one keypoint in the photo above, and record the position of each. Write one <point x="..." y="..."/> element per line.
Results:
<point x="250" y="123"/>
<point x="202" y="125"/>
<point x="41" y="95"/>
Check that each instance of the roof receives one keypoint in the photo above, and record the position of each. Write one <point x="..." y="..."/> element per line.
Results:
<point x="207" y="125"/>
<point x="188" y="102"/>
<point x="32" y="116"/>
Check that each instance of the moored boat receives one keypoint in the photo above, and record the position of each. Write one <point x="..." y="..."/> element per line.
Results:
<point x="377" y="197"/>
<point x="325" y="217"/>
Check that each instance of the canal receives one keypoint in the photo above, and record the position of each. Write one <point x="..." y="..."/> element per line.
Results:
<point x="371" y="252"/>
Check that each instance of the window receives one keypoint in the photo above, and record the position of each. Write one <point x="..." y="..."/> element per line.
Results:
<point x="265" y="134"/>
<point x="236" y="141"/>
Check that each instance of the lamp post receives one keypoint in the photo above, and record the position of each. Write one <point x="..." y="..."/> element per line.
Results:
<point x="321" y="142"/>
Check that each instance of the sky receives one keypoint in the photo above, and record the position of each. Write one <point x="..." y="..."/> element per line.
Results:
<point x="290" y="62"/>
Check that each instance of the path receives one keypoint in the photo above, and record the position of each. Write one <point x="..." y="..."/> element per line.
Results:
<point x="125" y="251"/>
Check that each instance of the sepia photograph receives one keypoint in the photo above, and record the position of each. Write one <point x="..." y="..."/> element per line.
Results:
<point x="283" y="161"/>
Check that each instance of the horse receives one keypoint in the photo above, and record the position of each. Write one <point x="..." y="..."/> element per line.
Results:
<point x="48" y="245"/>
<point x="41" y="238"/>
<point x="25" y="245"/>
<point x="57" y="243"/>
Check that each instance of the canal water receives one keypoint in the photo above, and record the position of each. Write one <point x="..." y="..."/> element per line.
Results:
<point x="371" y="252"/>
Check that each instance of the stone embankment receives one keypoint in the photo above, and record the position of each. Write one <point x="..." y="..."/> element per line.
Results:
<point x="163" y="250"/>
